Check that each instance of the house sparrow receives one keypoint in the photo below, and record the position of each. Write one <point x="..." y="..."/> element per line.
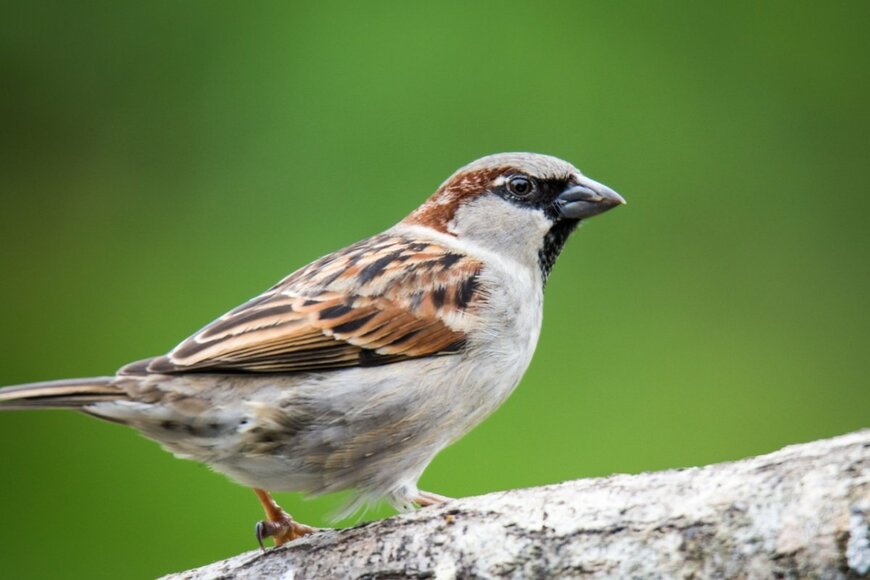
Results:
<point x="355" y="371"/>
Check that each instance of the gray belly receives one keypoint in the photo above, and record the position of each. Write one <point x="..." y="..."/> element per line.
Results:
<point x="373" y="429"/>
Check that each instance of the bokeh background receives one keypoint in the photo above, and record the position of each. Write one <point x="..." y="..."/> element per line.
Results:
<point x="164" y="161"/>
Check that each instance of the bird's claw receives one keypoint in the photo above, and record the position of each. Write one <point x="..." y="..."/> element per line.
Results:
<point x="260" y="533"/>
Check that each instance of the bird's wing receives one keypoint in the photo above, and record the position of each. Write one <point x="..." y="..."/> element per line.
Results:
<point x="385" y="299"/>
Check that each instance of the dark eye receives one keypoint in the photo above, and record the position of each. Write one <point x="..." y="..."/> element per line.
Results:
<point x="520" y="185"/>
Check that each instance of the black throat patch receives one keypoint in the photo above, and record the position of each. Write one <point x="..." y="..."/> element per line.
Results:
<point x="554" y="241"/>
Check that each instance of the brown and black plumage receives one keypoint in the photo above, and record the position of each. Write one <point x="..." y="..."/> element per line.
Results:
<point x="381" y="300"/>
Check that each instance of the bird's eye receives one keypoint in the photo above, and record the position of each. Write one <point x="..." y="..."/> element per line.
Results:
<point x="520" y="186"/>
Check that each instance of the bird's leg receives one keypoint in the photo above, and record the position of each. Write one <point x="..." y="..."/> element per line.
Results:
<point x="425" y="498"/>
<point x="278" y="525"/>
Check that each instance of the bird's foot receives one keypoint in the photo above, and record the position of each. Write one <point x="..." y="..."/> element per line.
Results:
<point x="425" y="498"/>
<point x="283" y="530"/>
<point x="280" y="526"/>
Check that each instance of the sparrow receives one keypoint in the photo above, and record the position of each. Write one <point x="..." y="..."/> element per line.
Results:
<point x="353" y="372"/>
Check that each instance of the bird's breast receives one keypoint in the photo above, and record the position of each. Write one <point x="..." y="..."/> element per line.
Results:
<point x="510" y="324"/>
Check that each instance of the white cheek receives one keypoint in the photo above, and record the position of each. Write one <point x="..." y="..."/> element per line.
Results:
<point x="500" y="226"/>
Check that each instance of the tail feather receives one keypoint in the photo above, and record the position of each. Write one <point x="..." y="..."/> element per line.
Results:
<point x="63" y="394"/>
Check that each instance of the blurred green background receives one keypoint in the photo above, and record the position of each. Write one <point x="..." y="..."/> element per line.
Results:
<point x="164" y="161"/>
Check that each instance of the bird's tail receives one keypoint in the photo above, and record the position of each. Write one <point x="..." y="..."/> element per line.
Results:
<point x="64" y="394"/>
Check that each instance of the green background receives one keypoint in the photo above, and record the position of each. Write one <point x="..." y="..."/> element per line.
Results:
<point x="164" y="161"/>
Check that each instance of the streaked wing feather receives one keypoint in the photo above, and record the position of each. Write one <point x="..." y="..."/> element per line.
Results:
<point x="383" y="300"/>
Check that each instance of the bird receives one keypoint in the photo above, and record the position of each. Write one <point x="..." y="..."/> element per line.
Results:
<point x="355" y="371"/>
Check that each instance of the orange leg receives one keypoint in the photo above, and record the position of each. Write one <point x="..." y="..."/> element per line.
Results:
<point x="279" y="525"/>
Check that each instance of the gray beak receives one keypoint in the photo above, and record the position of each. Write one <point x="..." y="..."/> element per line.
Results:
<point x="586" y="199"/>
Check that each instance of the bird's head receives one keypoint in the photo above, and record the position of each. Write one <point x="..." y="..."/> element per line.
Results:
<point x="525" y="204"/>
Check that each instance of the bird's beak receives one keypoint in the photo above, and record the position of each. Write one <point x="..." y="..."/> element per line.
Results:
<point x="586" y="199"/>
